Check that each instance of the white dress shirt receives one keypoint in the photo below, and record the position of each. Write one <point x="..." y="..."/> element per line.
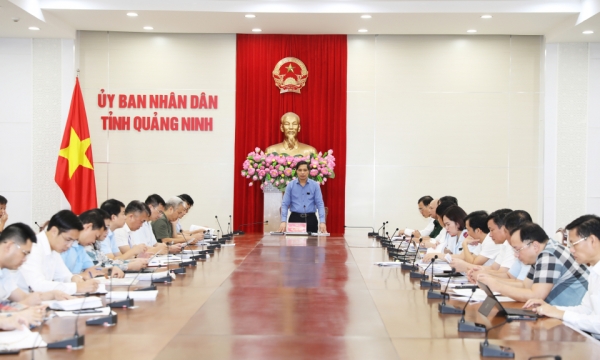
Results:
<point x="45" y="269"/>
<point x="143" y="235"/>
<point x="490" y="250"/>
<point x="425" y="232"/>
<point x="587" y="315"/>
<point x="506" y="257"/>
<point x="123" y="236"/>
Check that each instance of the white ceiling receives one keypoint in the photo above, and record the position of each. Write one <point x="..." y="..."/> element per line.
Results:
<point x="558" y="20"/>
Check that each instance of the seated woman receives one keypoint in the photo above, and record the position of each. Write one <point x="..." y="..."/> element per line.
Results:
<point x="456" y="235"/>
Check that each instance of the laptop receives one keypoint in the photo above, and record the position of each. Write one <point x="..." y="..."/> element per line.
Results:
<point x="513" y="314"/>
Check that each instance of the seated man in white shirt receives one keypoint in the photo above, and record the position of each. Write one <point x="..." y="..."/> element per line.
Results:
<point x="584" y="244"/>
<point x="506" y="266"/>
<point x="144" y="235"/>
<point x="492" y="244"/>
<point x="423" y="204"/>
<point x="44" y="270"/>
<point x="477" y="228"/>
<point x="16" y="242"/>
<point x="136" y="214"/>
<point x="197" y="231"/>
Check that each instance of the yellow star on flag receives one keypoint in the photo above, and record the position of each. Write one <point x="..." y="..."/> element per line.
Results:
<point x="75" y="153"/>
<point x="290" y="68"/>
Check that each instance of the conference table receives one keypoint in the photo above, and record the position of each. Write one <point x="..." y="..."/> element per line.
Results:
<point x="278" y="297"/>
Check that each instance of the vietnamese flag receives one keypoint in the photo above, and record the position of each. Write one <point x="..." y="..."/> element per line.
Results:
<point x="75" y="166"/>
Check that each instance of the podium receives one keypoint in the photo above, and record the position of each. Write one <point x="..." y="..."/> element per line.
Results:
<point x="272" y="207"/>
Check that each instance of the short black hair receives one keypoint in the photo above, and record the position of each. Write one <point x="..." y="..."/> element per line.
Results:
<point x="148" y="211"/>
<point x="442" y="207"/>
<point x="478" y="220"/>
<point x="136" y="206"/>
<point x="300" y="163"/>
<point x="188" y="199"/>
<point x="499" y="216"/>
<point x="514" y="219"/>
<point x="19" y="233"/>
<point x="112" y="207"/>
<point x="457" y="214"/>
<point x="451" y="199"/>
<point x="155" y="200"/>
<point x="533" y="232"/>
<point x="65" y="220"/>
<point x="3" y="200"/>
<point x="585" y="226"/>
<point x="95" y="217"/>
<point x="426" y="200"/>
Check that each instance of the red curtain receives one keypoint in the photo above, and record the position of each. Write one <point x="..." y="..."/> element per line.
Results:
<point x="321" y="106"/>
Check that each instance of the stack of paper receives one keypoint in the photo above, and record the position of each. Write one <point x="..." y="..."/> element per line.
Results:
<point x="95" y="312"/>
<point x="135" y="295"/>
<point x="101" y="288"/>
<point x="20" y="339"/>
<point x="388" y="263"/>
<point x="90" y="302"/>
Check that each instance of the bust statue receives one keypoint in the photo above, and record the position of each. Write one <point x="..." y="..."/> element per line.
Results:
<point x="290" y="127"/>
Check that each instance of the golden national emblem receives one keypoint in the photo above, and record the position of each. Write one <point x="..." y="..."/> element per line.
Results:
<point x="290" y="75"/>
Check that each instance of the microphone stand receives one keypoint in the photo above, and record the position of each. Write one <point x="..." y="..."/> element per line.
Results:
<point x="223" y="236"/>
<point x="412" y="266"/>
<point x="417" y="275"/>
<point x="165" y="279"/>
<point x="77" y="341"/>
<point x="193" y="258"/>
<point x="371" y="234"/>
<point x="389" y="244"/>
<point x="469" y="326"/>
<point x="397" y="253"/>
<point x="431" y="294"/>
<point x="127" y="303"/>
<point x="180" y="269"/>
<point x="381" y="237"/>
<point x="490" y="350"/>
<point x="431" y="284"/>
<point x="448" y="309"/>
<point x="111" y="318"/>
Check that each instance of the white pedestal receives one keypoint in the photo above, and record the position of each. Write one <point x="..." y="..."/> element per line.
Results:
<point x="272" y="207"/>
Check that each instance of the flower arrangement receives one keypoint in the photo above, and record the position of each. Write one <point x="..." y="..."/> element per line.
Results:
<point x="280" y="169"/>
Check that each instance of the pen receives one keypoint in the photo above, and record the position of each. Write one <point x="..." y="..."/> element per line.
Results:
<point x="91" y="277"/>
<point x="30" y="289"/>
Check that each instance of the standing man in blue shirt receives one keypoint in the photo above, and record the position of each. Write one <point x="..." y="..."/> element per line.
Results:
<point x="303" y="197"/>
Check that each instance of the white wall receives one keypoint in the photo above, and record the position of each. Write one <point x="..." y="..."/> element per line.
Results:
<point x="572" y="169"/>
<point x="36" y="74"/>
<point x="442" y="115"/>
<point x="132" y="165"/>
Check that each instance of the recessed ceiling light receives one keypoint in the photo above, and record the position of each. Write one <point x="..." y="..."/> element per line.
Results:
<point x="148" y="28"/>
<point x="486" y="16"/>
<point x="132" y="14"/>
<point x="472" y="31"/>
<point x="256" y="30"/>
<point x="34" y="28"/>
<point x="363" y="30"/>
<point x="366" y="16"/>
<point x="250" y="16"/>
<point x="587" y="32"/>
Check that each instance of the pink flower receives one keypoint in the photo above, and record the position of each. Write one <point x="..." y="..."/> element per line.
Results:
<point x="324" y="180"/>
<point x="250" y="184"/>
<point x="314" y="172"/>
<point x="262" y="173"/>
<point x="262" y="167"/>
<point x="256" y="149"/>
<point x="294" y="178"/>
<point x="255" y="178"/>
<point x="251" y="171"/>
<point x="288" y="172"/>
<point x="324" y="171"/>
<point x="330" y="151"/>
<point x="273" y="173"/>
<point x="247" y="176"/>
<point x="246" y="164"/>
<point x="243" y="173"/>
<point x="276" y="182"/>
<point x="269" y="159"/>
<point x="281" y="160"/>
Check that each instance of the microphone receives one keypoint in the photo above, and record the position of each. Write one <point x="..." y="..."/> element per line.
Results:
<point x="127" y="303"/>
<point x="431" y="284"/>
<point x="165" y="279"/>
<point x="397" y="252"/>
<point x="179" y="270"/>
<point x="223" y="236"/>
<point x="556" y="357"/>
<point x="77" y="341"/>
<point x="490" y="350"/>
<point x="431" y="294"/>
<point x="412" y="266"/>
<point x="35" y="342"/>
<point x="382" y="226"/>
<point x="371" y="234"/>
<point x="442" y="307"/>
<point x="385" y="241"/>
<point x="229" y="229"/>
<point x="193" y="258"/>
<point x="417" y="275"/>
<point x="240" y="232"/>
<point x="469" y="326"/>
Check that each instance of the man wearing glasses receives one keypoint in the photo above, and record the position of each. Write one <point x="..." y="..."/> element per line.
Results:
<point x="44" y="269"/>
<point x="555" y="276"/>
<point x="584" y="243"/>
